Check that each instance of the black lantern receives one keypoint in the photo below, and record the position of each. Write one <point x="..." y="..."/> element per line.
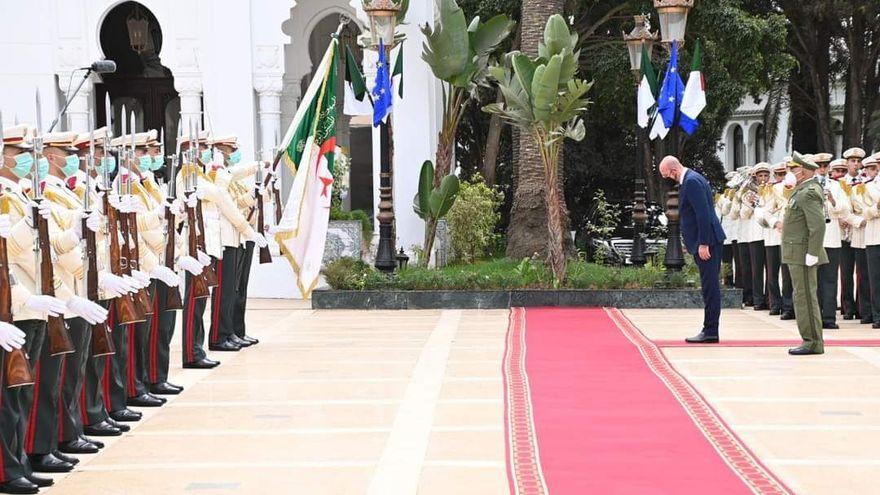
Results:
<point x="402" y="260"/>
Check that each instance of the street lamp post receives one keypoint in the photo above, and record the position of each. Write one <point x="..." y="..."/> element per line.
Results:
<point x="383" y="19"/>
<point x="638" y="39"/>
<point x="673" y="23"/>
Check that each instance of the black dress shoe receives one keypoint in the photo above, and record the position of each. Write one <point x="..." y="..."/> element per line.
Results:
<point x="849" y="317"/>
<point x="97" y="443"/>
<point x="64" y="457"/>
<point x="160" y="399"/>
<point x="748" y="303"/>
<point x="235" y="339"/>
<point x="761" y="307"/>
<point x="202" y="364"/>
<point x="250" y="339"/>
<point x="102" y="429"/>
<point x="143" y="400"/>
<point x="775" y="312"/>
<point x="866" y="321"/>
<point x="48" y="463"/>
<point x="165" y="388"/>
<point x="39" y="480"/>
<point x="225" y="346"/>
<point x="122" y="426"/>
<point x="830" y="326"/>
<point x="77" y="447"/>
<point x="803" y="351"/>
<point x="19" y="485"/>
<point x="787" y="315"/>
<point x="876" y="324"/>
<point x="702" y="338"/>
<point x="126" y="415"/>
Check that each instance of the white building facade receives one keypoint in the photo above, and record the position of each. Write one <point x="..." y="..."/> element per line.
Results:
<point x="239" y="65"/>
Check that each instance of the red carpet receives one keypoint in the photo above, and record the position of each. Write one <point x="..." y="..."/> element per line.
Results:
<point x="592" y="407"/>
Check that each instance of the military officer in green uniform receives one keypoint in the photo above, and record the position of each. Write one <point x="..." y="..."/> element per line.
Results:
<point x="803" y="232"/>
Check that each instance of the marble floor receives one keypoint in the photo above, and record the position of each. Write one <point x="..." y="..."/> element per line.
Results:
<point x="410" y="402"/>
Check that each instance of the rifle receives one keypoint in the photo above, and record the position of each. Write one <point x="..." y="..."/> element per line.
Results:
<point x="209" y="274"/>
<point x="173" y="301"/>
<point x="199" y="282"/>
<point x="102" y="342"/>
<point x="59" y="338"/>
<point x="129" y="226"/>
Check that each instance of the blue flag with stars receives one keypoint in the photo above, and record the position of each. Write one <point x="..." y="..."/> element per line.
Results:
<point x="383" y="96"/>
<point x="672" y="91"/>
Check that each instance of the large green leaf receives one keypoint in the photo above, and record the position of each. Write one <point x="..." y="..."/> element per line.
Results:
<point x="545" y="88"/>
<point x="443" y="197"/>
<point x="447" y="46"/>
<point x="421" y="204"/>
<point x="486" y="38"/>
<point x="524" y="69"/>
<point x="557" y="37"/>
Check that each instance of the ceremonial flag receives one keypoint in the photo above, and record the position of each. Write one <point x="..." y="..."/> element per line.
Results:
<point x="357" y="101"/>
<point x="397" y="73"/>
<point x="647" y="90"/>
<point x="694" y="100"/>
<point x="309" y="147"/>
<point x="383" y="97"/>
<point x="672" y="90"/>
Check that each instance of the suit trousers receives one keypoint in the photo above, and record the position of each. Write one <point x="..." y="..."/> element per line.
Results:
<point x="828" y="286"/>
<point x="710" y="288"/>
<point x="223" y="298"/>
<point x="863" y="285"/>
<point x="872" y="256"/>
<point x="756" y="254"/>
<point x="847" y="270"/>
<point x="744" y="271"/>
<point x="774" y="266"/>
<point x="193" y="341"/>
<point x="42" y="434"/>
<point x="244" y="273"/>
<point x="92" y="410"/>
<point x="806" y="303"/>
<point x="161" y="332"/>
<point x="73" y="368"/>
<point x="16" y="405"/>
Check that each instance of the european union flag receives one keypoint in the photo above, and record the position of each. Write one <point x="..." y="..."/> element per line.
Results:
<point x="672" y="90"/>
<point x="383" y="97"/>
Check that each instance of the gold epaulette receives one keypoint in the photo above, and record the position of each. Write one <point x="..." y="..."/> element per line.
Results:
<point x="141" y="193"/>
<point x="860" y="189"/>
<point x="717" y="197"/>
<point x="188" y="169"/>
<point x="80" y="192"/>
<point x="846" y="187"/>
<point x="152" y="190"/>
<point x="51" y="193"/>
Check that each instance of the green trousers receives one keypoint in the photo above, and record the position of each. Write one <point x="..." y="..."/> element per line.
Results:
<point x="806" y="306"/>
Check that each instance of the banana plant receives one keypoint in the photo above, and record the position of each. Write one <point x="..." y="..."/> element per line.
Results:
<point x="544" y="97"/>
<point x="433" y="203"/>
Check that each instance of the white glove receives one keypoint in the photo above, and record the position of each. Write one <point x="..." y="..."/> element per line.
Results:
<point x="276" y="184"/>
<point x="5" y="226"/>
<point x="46" y="304"/>
<point x="135" y="205"/>
<point x="176" y="207"/>
<point x="274" y="229"/>
<point x="166" y="275"/>
<point x="159" y="210"/>
<point x="811" y="260"/>
<point x="190" y="264"/>
<point x="200" y="193"/>
<point x="87" y="310"/>
<point x="44" y="209"/>
<point x="134" y="284"/>
<point x="141" y="277"/>
<point x="260" y="240"/>
<point x="10" y="337"/>
<point x="192" y="201"/>
<point x="112" y="285"/>
<point x="204" y="259"/>
<point x="119" y="203"/>
<point x="94" y="221"/>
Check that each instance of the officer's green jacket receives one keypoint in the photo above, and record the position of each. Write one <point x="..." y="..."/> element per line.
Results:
<point x="803" y="228"/>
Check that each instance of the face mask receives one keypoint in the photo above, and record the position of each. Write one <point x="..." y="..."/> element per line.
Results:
<point x="145" y="163"/>
<point x="235" y="157"/>
<point x="158" y="162"/>
<point x="24" y="163"/>
<point x="43" y="167"/>
<point x="71" y="165"/>
<point x="790" y="180"/>
<point x="206" y="156"/>
<point x="109" y="162"/>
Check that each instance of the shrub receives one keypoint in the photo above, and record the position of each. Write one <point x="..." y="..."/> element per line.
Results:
<point x="351" y="274"/>
<point x="359" y="215"/>
<point x="472" y="220"/>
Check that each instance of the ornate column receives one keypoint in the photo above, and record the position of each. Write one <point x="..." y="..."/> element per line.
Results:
<point x="190" y="90"/>
<point x="268" y="88"/>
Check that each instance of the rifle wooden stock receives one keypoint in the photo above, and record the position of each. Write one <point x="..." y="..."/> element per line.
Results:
<point x="265" y="254"/>
<point x="102" y="343"/>
<point x="126" y="310"/>
<point x="130" y="251"/>
<point x="208" y="272"/>
<point x="16" y="368"/>
<point x="56" y="332"/>
<point x="173" y="301"/>
<point x="199" y="284"/>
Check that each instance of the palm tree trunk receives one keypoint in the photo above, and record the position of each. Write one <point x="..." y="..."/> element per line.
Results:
<point x="529" y="212"/>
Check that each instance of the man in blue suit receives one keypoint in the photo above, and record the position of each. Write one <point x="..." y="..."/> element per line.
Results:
<point x="703" y="236"/>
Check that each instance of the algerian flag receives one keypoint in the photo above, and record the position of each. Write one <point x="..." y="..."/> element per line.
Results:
<point x="309" y="149"/>
<point x="357" y="101"/>
<point x="397" y="73"/>
<point x="647" y="90"/>
<point x="694" y="100"/>
<point x="659" y="129"/>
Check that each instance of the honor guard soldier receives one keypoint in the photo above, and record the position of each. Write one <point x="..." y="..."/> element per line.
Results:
<point x="853" y="157"/>
<point x="837" y="209"/>
<point x="730" y="227"/>
<point x="741" y="253"/>
<point x="773" y="203"/>
<point x="754" y="232"/>
<point x="802" y="234"/>
<point x="870" y="196"/>
<point x="858" y="222"/>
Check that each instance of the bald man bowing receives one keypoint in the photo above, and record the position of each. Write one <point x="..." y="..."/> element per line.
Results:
<point x="703" y="236"/>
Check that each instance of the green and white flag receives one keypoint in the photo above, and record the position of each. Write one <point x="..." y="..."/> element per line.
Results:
<point x="309" y="148"/>
<point x="397" y="74"/>
<point x="357" y="99"/>
<point x="647" y="93"/>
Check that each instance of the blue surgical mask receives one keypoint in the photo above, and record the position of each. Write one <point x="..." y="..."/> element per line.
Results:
<point x="43" y="167"/>
<point x="206" y="156"/>
<point x="235" y="157"/>
<point x="145" y="163"/>
<point x="24" y="163"/>
<point x="107" y="161"/>
<point x="71" y="165"/>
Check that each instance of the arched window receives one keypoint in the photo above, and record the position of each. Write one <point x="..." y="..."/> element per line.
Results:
<point x="759" y="143"/>
<point x="739" y="148"/>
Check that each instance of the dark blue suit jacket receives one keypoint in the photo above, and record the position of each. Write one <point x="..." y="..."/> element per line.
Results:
<point x="696" y="205"/>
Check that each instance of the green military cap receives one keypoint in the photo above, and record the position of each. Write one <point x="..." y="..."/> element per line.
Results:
<point x="799" y="160"/>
